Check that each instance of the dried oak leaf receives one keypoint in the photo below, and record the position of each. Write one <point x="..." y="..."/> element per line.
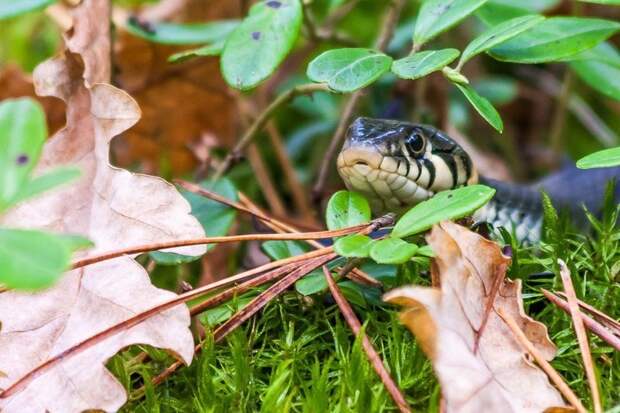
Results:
<point x="115" y="209"/>
<point x="498" y="377"/>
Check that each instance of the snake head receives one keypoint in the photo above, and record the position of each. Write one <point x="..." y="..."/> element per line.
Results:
<point x="396" y="164"/>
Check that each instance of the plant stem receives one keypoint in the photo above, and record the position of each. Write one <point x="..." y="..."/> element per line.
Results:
<point x="214" y="240"/>
<point x="262" y="119"/>
<point x="373" y="356"/>
<point x="592" y="325"/>
<point x="559" y="117"/>
<point x="582" y="337"/>
<point x="388" y="26"/>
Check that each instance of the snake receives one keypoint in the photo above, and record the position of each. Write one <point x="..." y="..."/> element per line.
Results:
<point x="396" y="165"/>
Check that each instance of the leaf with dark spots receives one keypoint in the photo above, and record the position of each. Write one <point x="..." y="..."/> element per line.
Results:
<point x="245" y="64"/>
<point x="22" y="159"/>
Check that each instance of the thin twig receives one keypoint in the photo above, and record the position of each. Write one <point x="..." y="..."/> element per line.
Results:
<point x="17" y="386"/>
<point x="582" y="337"/>
<point x="546" y="82"/>
<point x="602" y="318"/>
<point x="349" y="270"/>
<point x="318" y="256"/>
<point x="591" y="324"/>
<point x="214" y="240"/>
<point x="559" y="117"/>
<point x="540" y="360"/>
<point x="388" y="26"/>
<point x="249" y="310"/>
<point x="278" y="226"/>
<point x="260" y="301"/>
<point x="242" y="288"/>
<point x="262" y="119"/>
<point x="373" y="356"/>
<point x="264" y="180"/>
<point x="298" y="192"/>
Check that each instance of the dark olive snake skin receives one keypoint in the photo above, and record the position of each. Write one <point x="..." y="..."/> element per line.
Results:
<point x="397" y="164"/>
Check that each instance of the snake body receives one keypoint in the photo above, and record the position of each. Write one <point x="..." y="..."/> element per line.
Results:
<point x="397" y="164"/>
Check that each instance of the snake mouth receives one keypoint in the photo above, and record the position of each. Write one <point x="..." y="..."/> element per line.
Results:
<point x="387" y="182"/>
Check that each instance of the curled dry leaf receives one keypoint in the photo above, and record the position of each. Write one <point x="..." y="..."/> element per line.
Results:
<point x="112" y="207"/>
<point x="497" y="377"/>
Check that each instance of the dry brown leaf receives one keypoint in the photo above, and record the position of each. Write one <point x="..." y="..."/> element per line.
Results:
<point x="180" y="102"/>
<point x="112" y="207"/>
<point x="445" y="320"/>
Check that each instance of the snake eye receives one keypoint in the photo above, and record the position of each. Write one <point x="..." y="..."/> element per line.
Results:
<point x="415" y="143"/>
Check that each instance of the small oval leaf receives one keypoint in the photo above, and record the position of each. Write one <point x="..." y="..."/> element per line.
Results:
<point x="353" y="246"/>
<point x="346" y="209"/>
<point x="437" y="16"/>
<point x="453" y="204"/>
<point x="279" y="250"/>
<point x="554" y="39"/>
<point x="22" y="133"/>
<point x="255" y="49"/>
<point x="182" y="33"/>
<point x="600" y="159"/>
<point x="499" y="34"/>
<point x="483" y="107"/>
<point x="392" y="251"/>
<point x="33" y="260"/>
<point x="349" y="69"/>
<point x="421" y="64"/>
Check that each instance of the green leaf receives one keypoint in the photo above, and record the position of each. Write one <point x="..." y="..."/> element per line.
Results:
<point x="312" y="283"/>
<point x="33" y="260"/>
<point x="182" y="33"/>
<point x="354" y="293"/>
<point x="599" y="67"/>
<point x="354" y="245"/>
<point x="22" y="132"/>
<point x="392" y="251"/>
<point x="12" y="8"/>
<point x="223" y="312"/>
<point x="499" y="90"/>
<point x="498" y="11"/>
<point x="46" y="182"/>
<point x="483" y="107"/>
<point x="346" y="209"/>
<point x="346" y="70"/>
<point x="454" y="76"/>
<point x="498" y="34"/>
<point x="279" y="250"/>
<point x="600" y="159"/>
<point x="214" y="49"/>
<point x="437" y="16"/>
<point x="421" y="64"/>
<point x="554" y="39"/>
<point x="215" y="218"/>
<point x="255" y="49"/>
<point x="445" y="205"/>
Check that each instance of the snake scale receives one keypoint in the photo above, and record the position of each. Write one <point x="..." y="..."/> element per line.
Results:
<point x="397" y="164"/>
